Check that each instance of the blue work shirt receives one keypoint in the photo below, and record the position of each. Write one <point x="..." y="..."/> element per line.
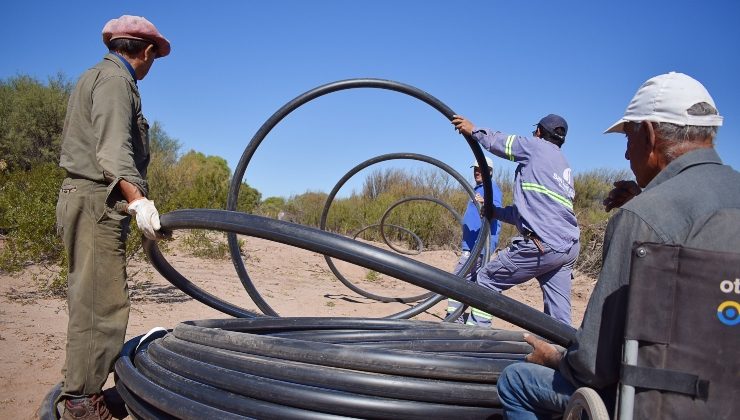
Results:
<point x="472" y="221"/>
<point x="543" y="187"/>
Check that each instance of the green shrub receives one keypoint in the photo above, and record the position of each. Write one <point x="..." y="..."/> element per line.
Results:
<point x="372" y="276"/>
<point x="210" y="245"/>
<point x="271" y="207"/>
<point x="434" y="224"/>
<point x="28" y="217"/>
<point x="31" y="120"/>
<point x="591" y="189"/>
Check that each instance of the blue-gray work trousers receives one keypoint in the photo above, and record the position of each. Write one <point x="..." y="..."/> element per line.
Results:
<point x="453" y="305"/>
<point x="523" y="261"/>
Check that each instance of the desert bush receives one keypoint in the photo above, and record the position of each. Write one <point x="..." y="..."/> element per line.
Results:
<point x="31" y="120"/>
<point x="372" y="276"/>
<point x="200" y="182"/>
<point x="306" y="208"/>
<point x="31" y="123"/>
<point x="591" y="189"/>
<point x="271" y="207"/>
<point x="433" y="223"/>
<point x="28" y="217"/>
<point x="206" y="244"/>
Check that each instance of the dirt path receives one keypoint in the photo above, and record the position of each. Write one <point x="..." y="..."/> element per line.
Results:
<point x="294" y="282"/>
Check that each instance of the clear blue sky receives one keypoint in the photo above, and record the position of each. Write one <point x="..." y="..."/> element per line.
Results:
<point x="503" y="64"/>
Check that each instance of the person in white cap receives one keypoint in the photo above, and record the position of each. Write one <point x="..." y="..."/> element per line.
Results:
<point x="471" y="227"/>
<point x="105" y="152"/>
<point x="680" y="183"/>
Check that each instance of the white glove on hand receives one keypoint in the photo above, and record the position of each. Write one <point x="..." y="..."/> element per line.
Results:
<point x="147" y="217"/>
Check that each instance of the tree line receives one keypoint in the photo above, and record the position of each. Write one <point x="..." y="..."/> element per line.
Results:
<point x="31" y="121"/>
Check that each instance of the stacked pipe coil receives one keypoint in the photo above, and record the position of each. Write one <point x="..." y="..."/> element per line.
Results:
<point x="304" y="368"/>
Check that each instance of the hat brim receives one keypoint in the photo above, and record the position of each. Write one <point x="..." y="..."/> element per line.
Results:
<point x="163" y="45"/>
<point x="617" y="127"/>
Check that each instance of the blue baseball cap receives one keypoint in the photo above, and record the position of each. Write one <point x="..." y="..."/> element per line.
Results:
<point x="551" y="122"/>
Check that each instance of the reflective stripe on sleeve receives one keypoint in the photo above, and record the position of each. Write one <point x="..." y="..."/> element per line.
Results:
<point x="509" y="142"/>
<point x="529" y="186"/>
<point x="481" y="314"/>
<point x="452" y="305"/>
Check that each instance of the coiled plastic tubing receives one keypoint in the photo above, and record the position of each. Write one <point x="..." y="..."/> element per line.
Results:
<point x="262" y="366"/>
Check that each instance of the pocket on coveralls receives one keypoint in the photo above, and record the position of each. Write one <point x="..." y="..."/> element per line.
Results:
<point x="61" y="209"/>
<point x="115" y="206"/>
<point x="506" y="264"/>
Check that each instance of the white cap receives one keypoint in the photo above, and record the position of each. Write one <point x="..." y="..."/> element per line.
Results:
<point x="667" y="98"/>
<point x="488" y="161"/>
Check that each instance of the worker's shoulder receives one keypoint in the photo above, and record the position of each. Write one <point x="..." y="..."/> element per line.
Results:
<point x="683" y="205"/>
<point x="110" y="69"/>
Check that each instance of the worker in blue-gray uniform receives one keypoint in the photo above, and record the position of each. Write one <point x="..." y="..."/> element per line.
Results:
<point x="471" y="226"/>
<point x="542" y="212"/>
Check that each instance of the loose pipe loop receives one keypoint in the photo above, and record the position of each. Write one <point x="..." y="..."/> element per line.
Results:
<point x="431" y="300"/>
<point x="300" y="100"/>
<point x="380" y="260"/>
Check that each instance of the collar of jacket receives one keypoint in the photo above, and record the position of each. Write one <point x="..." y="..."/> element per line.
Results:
<point x="685" y="161"/>
<point x="126" y="64"/>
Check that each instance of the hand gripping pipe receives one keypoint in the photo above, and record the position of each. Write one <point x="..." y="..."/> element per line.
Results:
<point x="300" y="100"/>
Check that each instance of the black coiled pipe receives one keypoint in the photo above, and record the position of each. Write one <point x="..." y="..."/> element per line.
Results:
<point x="337" y="246"/>
<point x="431" y="299"/>
<point x="294" y="104"/>
<point x="238" y="368"/>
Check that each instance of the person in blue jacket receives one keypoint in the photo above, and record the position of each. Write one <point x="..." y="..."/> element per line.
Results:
<point x="542" y="212"/>
<point x="471" y="226"/>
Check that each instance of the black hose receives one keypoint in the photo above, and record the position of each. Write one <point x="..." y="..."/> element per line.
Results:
<point x="347" y="357"/>
<point x="347" y="380"/>
<point x="159" y="397"/>
<point x="291" y="106"/>
<point x="223" y="398"/>
<point x="137" y="408"/>
<point x="238" y="367"/>
<point x="404" y="268"/>
<point x="285" y="393"/>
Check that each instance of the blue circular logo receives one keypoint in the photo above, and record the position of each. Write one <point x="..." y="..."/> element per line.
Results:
<point x="728" y="312"/>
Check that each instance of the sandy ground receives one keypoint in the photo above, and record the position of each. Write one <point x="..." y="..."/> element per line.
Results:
<point x="293" y="281"/>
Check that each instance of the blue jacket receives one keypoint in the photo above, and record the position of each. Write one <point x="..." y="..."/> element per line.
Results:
<point x="472" y="221"/>
<point x="543" y="187"/>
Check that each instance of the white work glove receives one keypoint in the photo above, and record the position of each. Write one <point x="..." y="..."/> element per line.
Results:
<point x="147" y="217"/>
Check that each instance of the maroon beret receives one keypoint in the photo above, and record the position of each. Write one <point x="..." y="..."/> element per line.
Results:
<point x="135" y="27"/>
